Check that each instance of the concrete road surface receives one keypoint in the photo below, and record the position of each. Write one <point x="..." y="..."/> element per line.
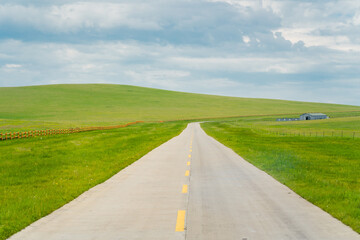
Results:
<point x="191" y="187"/>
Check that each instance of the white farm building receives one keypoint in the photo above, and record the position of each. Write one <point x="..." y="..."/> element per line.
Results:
<point x="313" y="116"/>
<point x="306" y="116"/>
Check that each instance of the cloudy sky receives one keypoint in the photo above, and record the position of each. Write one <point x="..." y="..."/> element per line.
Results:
<point x="284" y="49"/>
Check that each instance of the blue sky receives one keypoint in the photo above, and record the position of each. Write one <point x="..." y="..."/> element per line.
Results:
<point x="283" y="49"/>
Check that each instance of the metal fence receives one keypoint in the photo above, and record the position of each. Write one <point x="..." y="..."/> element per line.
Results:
<point x="313" y="133"/>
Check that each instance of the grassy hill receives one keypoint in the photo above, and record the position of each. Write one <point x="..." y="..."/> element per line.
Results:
<point x="104" y="104"/>
<point x="41" y="174"/>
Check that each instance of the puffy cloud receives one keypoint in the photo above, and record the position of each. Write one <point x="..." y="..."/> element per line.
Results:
<point x="73" y="17"/>
<point x="187" y="22"/>
<point x="13" y="66"/>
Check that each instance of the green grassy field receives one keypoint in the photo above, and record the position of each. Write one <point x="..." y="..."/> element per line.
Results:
<point x="344" y="125"/>
<point x="323" y="170"/>
<point x="39" y="175"/>
<point x="60" y="106"/>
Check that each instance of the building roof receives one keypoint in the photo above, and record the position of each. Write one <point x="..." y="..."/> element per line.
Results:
<point x="315" y="114"/>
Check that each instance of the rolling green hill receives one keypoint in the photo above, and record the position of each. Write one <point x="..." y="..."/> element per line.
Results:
<point x="104" y="104"/>
<point x="41" y="174"/>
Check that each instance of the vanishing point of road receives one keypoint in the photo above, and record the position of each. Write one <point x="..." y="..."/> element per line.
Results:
<point x="191" y="187"/>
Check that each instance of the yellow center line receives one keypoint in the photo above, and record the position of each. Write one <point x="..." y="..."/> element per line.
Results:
<point x="180" y="221"/>
<point x="187" y="173"/>
<point x="185" y="188"/>
<point x="188" y="163"/>
<point x="189" y="155"/>
<point x="190" y="150"/>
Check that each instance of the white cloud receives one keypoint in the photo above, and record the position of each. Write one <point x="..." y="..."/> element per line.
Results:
<point x="306" y="35"/>
<point x="356" y="19"/>
<point x="80" y="15"/>
<point x="245" y="64"/>
<point x="327" y="24"/>
<point x="246" y="39"/>
<point x="13" y="66"/>
<point x="243" y="3"/>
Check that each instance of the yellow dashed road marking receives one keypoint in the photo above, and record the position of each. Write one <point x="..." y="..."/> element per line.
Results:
<point x="180" y="221"/>
<point x="190" y="150"/>
<point x="187" y="173"/>
<point x="188" y="163"/>
<point x="189" y="155"/>
<point x="185" y="188"/>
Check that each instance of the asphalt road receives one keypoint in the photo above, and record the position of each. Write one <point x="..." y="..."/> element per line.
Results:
<point x="191" y="187"/>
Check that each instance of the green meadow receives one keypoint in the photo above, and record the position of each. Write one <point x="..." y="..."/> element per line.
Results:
<point x="344" y="125"/>
<point x="323" y="170"/>
<point x="39" y="175"/>
<point x="63" y="106"/>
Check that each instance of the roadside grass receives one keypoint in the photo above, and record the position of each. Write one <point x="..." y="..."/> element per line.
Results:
<point x="41" y="174"/>
<point x="325" y="171"/>
<point x="341" y="126"/>
<point x="11" y="125"/>
<point x="39" y="107"/>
